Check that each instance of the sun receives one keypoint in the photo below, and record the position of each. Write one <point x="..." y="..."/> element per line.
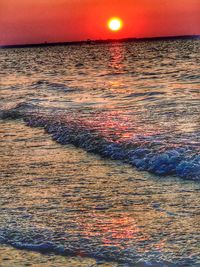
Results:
<point x="115" y="24"/>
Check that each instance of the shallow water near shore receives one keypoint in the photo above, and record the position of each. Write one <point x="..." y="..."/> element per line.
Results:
<point x="10" y="257"/>
<point x="64" y="200"/>
<point x="111" y="173"/>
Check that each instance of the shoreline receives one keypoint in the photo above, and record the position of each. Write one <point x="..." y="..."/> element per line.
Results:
<point x="107" y="41"/>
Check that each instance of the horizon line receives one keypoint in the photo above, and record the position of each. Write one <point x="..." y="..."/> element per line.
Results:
<point x="98" y="41"/>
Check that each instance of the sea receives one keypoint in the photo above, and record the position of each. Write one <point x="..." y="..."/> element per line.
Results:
<point x="100" y="154"/>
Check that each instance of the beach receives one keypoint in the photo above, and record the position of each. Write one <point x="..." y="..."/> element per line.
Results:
<point x="99" y="148"/>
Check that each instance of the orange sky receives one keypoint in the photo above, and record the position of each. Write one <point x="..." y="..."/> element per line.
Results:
<point x="35" y="21"/>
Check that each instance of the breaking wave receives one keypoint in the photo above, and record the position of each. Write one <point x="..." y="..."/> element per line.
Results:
<point x="46" y="241"/>
<point x="155" y="153"/>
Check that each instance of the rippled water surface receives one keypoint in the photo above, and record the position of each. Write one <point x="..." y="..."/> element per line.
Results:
<point x="112" y="170"/>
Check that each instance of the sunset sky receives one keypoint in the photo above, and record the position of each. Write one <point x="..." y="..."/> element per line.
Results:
<point x="36" y="21"/>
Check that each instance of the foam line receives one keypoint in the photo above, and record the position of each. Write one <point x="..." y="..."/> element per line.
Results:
<point x="144" y="153"/>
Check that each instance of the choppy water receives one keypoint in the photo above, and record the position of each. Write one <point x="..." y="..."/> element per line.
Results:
<point x="137" y="103"/>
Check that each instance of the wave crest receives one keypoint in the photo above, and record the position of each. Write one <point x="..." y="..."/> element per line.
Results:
<point x="145" y="153"/>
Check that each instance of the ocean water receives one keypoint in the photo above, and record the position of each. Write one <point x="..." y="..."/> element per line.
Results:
<point x="100" y="151"/>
